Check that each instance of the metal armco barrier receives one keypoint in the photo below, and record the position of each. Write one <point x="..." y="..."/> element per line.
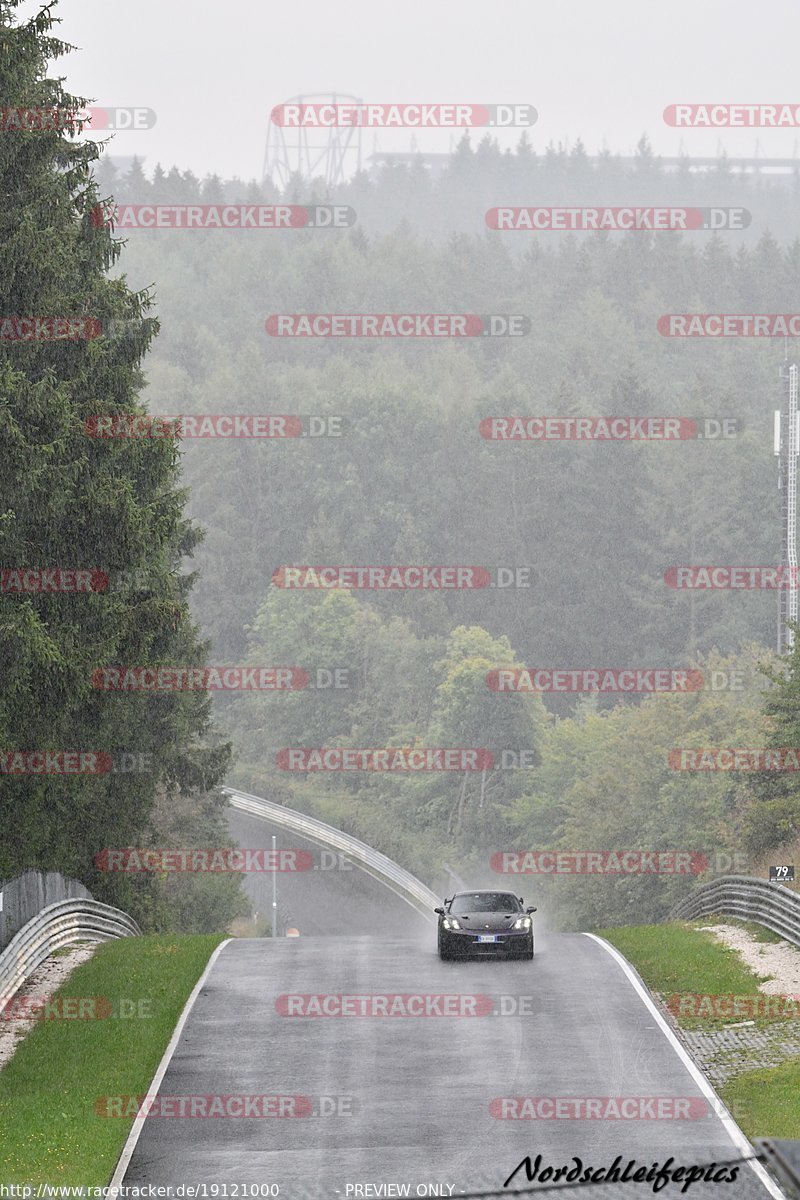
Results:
<point x="58" y="925"/>
<point x="22" y="898"/>
<point x="401" y="882"/>
<point x="769" y="904"/>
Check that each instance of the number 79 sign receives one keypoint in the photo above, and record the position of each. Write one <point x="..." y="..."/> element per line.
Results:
<point x="783" y="874"/>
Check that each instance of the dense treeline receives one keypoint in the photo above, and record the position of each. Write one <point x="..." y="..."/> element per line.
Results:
<point x="411" y="481"/>
<point x="444" y="202"/>
<point x="601" y="523"/>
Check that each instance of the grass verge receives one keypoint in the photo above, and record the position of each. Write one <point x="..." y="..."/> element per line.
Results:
<point x="51" y="1132"/>
<point x="766" y="1101"/>
<point x="681" y="957"/>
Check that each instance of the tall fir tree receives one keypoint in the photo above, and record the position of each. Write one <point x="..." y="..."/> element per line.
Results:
<point x="71" y="500"/>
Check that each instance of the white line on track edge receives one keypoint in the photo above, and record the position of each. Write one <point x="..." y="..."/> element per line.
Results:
<point x="731" y="1128"/>
<point x="138" y="1122"/>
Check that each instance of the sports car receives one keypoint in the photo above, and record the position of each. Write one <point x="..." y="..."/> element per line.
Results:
<point x="485" y="924"/>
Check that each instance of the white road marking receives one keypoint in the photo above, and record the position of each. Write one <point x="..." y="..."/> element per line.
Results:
<point x="731" y="1128"/>
<point x="138" y="1122"/>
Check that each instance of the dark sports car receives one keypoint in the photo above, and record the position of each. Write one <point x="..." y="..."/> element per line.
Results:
<point x="492" y="924"/>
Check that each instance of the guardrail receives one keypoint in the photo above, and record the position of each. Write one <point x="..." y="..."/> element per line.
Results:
<point x="769" y="904"/>
<point x="56" y="926"/>
<point x="24" y="897"/>
<point x="396" y="878"/>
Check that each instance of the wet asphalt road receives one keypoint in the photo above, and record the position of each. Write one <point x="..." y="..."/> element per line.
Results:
<point x="407" y="1101"/>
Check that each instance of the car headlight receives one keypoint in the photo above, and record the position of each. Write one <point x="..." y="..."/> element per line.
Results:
<point x="450" y="923"/>
<point x="522" y="923"/>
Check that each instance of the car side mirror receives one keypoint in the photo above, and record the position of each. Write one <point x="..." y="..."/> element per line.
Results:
<point x="531" y="908"/>
<point x="440" y="911"/>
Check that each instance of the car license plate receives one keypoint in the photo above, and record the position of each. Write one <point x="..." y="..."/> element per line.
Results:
<point x="489" y="937"/>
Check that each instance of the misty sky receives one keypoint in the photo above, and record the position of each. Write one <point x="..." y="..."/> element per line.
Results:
<point x="603" y="72"/>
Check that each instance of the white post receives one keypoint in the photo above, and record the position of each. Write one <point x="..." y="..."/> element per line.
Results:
<point x="274" y="887"/>
<point x="791" y="501"/>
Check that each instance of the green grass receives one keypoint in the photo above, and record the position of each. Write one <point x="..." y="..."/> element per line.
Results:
<point x="765" y="1101"/>
<point x="679" y="957"/>
<point x="676" y="957"/>
<point x="49" y="1130"/>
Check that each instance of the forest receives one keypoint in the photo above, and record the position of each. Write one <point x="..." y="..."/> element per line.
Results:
<point x="213" y="444"/>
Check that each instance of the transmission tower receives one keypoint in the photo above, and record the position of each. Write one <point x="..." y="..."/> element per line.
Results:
<point x="787" y="448"/>
<point x="332" y="153"/>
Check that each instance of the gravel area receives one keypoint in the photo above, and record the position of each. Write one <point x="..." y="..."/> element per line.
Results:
<point x="724" y="1053"/>
<point x="779" y="960"/>
<point x="44" y="981"/>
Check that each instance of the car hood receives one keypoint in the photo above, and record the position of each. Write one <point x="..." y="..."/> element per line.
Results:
<point x="482" y="922"/>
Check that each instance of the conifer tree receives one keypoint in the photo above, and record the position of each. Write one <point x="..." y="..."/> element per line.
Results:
<point x="75" y="501"/>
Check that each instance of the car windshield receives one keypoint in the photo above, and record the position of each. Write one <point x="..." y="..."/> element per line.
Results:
<point x="502" y="902"/>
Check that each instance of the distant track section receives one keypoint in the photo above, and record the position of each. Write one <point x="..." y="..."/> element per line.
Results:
<point x="396" y="878"/>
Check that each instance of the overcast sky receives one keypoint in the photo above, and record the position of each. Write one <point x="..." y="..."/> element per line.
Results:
<point x="602" y="72"/>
